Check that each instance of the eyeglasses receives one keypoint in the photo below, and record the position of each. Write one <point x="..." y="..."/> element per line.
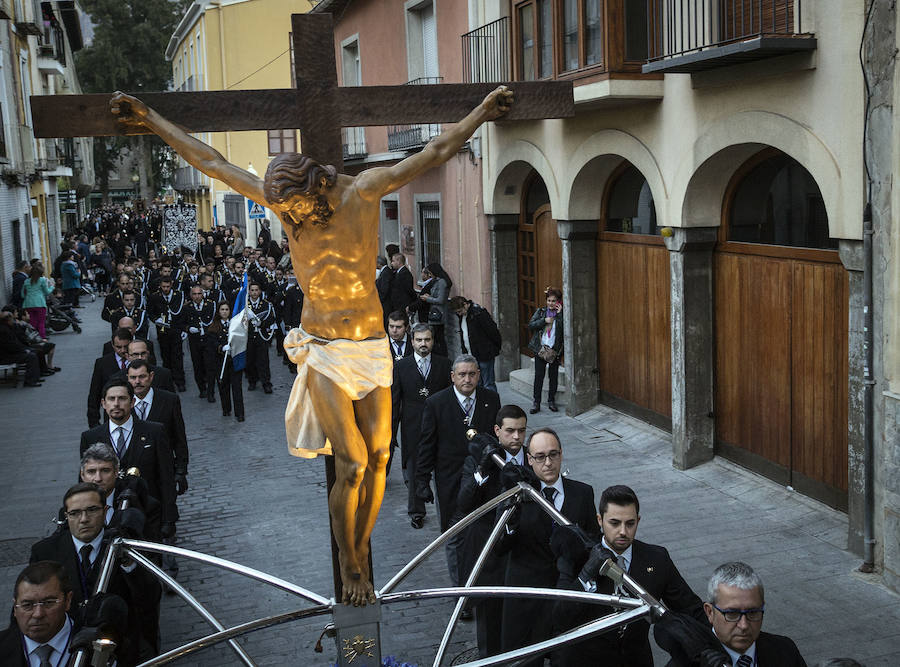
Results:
<point x="540" y="458"/>
<point x="90" y="511"/>
<point x="734" y="615"/>
<point x="29" y="606"/>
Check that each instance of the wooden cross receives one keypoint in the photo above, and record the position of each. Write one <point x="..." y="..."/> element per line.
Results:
<point x="318" y="107"/>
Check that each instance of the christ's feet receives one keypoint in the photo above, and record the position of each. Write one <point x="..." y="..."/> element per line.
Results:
<point x="358" y="589"/>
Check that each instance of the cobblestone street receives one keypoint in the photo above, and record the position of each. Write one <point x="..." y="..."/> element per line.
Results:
<point x="249" y="501"/>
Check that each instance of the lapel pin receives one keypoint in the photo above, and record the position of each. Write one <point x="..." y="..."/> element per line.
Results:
<point x="650" y="569"/>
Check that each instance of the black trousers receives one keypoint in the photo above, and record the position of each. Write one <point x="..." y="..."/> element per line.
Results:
<point x="32" y="365"/>
<point x="540" y="366"/>
<point x="172" y="353"/>
<point x="415" y="506"/>
<point x="230" y="390"/>
<point x="258" y="361"/>
<point x="196" y="343"/>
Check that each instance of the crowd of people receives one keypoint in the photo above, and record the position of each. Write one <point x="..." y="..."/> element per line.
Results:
<point x="135" y="420"/>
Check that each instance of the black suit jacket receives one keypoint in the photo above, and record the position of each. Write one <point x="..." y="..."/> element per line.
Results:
<point x="443" y="446"/>
<point x="408" y="399"/>
<point x="383" y="285"/>
<point x="104" y="368"/>
<point x="137" y="588"/>
<point x="777" y="651"/>
<point x="166" y="410"/>
<point x="11" y="653"/>
<point x="532" y="563"/>
<point x="402" y="292"/>
<point x="150" y="452"/>
<point x="652" y="567"/>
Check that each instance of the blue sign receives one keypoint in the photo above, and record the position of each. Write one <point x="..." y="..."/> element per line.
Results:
<point x="256" y="211"/>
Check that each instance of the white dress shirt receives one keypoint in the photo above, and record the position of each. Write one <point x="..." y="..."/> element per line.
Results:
<point x="60" y="644"/>
<point x="128" y="428"/>
<point x="148" y="400"/>
<point x="560" y="493"/>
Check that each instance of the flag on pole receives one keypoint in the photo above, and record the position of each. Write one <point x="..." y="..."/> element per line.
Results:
<point x="237" y="330"/>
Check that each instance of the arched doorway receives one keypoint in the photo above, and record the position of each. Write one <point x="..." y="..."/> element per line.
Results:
<point x="781" y="318"/>
<point x="633" y="314"/>
<point x="540" y="254"/>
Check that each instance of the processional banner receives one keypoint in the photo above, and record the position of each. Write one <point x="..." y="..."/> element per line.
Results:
<point x="180" y="226"/>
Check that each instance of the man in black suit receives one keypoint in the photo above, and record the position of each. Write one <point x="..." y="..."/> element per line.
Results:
<point x="416" y="377"/>
<point x="43" y="597"/>
<point x="443" y="446"/>
<point x="165" y="308"/>
<point x="128" y="323"/>
<point x="113" y="301"/>
<point x="531" y="559"/>
<point x="162" y="376"/>
<point x="80" y="551"/>
<point x="105" y="368"/>
<point x="649" y="565"/>
<point x="402" y="293"/>
<point x="131" y="309"/>
<point x="19" y="276"/>
<point x="140" y="444"/>
<point x="734" y="607"/>
<point x="384" y="276"/>
<point x="197" y="316"/>
<point x="162" y="407"/>
<point x="399" y="337"/>
<point x="481" y="482"/>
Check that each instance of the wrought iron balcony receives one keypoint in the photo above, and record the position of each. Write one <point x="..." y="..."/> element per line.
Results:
<point x="696" y="35"/>
<point x="411" y="137"/>
<point x="486" y="54"/>
<point x="354" y="142"/>
<point x="188" y="178"/>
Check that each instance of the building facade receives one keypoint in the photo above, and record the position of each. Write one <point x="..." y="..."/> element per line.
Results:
<point x="44" y="183"/>
<point x="233" y="45"/>
<point x="702" y="213"/>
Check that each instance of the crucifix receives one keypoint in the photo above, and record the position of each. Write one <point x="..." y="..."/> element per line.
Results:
<point x="340" y="403"/>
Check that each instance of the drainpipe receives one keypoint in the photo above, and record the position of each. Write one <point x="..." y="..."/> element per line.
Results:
<point x="868" y="564"/>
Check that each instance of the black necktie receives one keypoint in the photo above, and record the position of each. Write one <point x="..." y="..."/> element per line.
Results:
<point x="744" y="661"/>
<point x="44" y="652"/>
<point x="85" y="552"/>
<point x="549" y="493"/>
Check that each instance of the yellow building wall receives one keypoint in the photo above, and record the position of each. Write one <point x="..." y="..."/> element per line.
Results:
<point x="245" y="46"/>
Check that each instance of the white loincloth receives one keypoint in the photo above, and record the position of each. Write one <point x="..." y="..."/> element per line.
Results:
<point x="356" y="366"/>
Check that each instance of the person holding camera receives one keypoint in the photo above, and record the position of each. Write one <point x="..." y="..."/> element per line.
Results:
<point x="546" y="342"/>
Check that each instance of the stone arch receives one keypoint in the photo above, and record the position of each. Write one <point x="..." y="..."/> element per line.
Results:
<point x="594" y="161"/>
<point x="702" y="178"/>
<point x="510" y="175"/>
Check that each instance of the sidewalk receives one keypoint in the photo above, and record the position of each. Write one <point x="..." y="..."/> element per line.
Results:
<point x="251" y="502"/>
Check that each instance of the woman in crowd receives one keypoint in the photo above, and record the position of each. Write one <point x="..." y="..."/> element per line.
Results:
<point x="237" y="247"/>
<point x="217" y="355"/>
<point x="435" y="292"/>
<point x="546" y="342"/>
<point x="34" y="294"/>
<point x="101" y="263"/>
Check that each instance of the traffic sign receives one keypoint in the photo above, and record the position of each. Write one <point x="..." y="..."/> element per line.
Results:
<point x="256" y="211"/>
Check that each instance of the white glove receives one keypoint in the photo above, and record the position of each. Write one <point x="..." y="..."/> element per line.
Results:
<point x="161" y="322"/>
<point x="194" y="330"/>
<point x="255" y="320"/>
<point x="225" y="348"/>
<point x="183" y="335"/>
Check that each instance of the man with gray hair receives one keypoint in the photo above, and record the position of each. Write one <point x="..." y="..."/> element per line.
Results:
<point x="443" y="445"/>
<point x="735" y="606"/>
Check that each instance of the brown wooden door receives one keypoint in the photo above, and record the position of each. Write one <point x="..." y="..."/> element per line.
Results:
<point x="634" y="325"/>
<point x="540" y="266"/>
<point x="781" y="368"/>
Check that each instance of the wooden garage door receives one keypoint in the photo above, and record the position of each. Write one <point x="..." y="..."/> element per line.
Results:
<point x="633" y="322"/>
<point x="781" y="369"/>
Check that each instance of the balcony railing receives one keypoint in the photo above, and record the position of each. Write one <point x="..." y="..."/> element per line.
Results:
<point x="486" y="54"/>
<point x="409" y="137"/>
<point x="354" y="142"/>
<point x="188" y="178"/>
<point x="689" y="35"/>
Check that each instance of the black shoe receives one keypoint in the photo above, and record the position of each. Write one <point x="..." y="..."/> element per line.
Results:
<point x="181" y="387"/>
<point x="33" y="384"/>
<point x="267" y="388"/>
<point x="465" y="614"/>
<point x="240" y="418"/>
<point x="226" y="413"/>
<point x="535" y="408"/>
<point x="46" y="373"/>
<point x="251" y="386"/>
<point x="202" y="392"/>
<point x="77" y="329"/>
<point x="417" y="522"/>
<point x="211" y="397"/>
<point x="551" y="406"/>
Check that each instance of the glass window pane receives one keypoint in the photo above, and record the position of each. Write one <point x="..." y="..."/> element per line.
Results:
<point x="593" y="32"/>
<point x="274" y="142"/>
<point x="779" y="203"/>
<point x="631" y="209"/>
<point x="636" y="31"/>
<point x="289" y="145"/>
<point x="570" y="34"/>
<point x="526" y="39"/>
<point x="545" y="32"/>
